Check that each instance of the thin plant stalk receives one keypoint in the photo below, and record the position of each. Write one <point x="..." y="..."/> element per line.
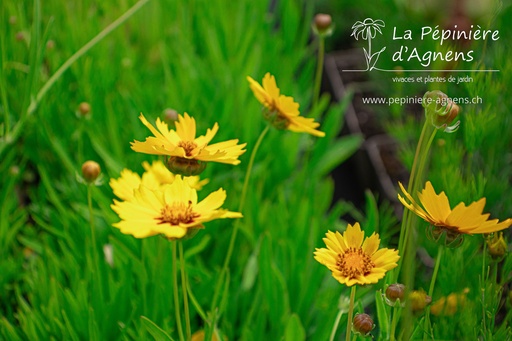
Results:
<point x="319" y="69"/>
<point x="426" y="323"/>
<point x="185" y="291"/>
<point x="93" y="241"/>
<point x="419" y="161"/>
<point x="350" y="313"/>
<point x="407" y="240"/>
<point x="236" y="227"/>
<point x="396" y="310"/>
<point x="336" y="324"/>
<point x="177" y="313"/>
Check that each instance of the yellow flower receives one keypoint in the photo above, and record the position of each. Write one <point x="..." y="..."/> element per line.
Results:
<point x="353" y="261"/>
<point x="282" y="111"/>
<point x="461" y="220"/>
<point x="172" y="210"/>
<point x="186" y="151"/>
<point x="449" y="305"/>
<point x="156" y="175"/>
<point x="419" y="300"/>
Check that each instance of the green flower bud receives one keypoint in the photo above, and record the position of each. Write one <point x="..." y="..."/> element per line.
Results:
<point x="497" y="246"/>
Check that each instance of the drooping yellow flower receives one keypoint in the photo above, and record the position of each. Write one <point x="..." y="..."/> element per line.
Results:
<point x="155" y="176"/>
<point x="187" y="152"/>
<point x="172" y="210"/>
<point x="435" y="209"/>
<point x="353" y="261"/>
<point x="282" y="111"/>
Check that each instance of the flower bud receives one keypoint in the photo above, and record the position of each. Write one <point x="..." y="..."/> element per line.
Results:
<point x="497" y="246"/>
<point x="20" y="36"/>
<point x="394" y="292"/>
<point x="185" y="167"/>
<point x="13" y="20"/>
<point x="90" y="171"/>
<point x="419" y="300"/>
<point x="170" y="115"/>
<point x="440" y="110"/>
<point x="363" y="324"/>
<point x="322" y="24"/>
<point x="84" y="109"/>
<point x="50" y="45"/>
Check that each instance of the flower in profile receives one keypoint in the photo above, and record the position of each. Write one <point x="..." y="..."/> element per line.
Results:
<point x="435" y="209"/>
<point x="419" y="300"/>
<point x="282" y="111"/>
<point x="187" y="154"/>
<point x="155" y="176"/>
<point x="172" y="210"/>
<point x="441" y="110"/>
<point x="353" y="261"/>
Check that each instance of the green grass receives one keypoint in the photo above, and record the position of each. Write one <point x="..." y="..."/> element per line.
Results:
<point x="194" y="57"/>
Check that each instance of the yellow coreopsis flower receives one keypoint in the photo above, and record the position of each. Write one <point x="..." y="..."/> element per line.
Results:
<point x="435" y="209"/>
<point x="172" y="210"/>
<point x="155" y="176"/>
<point x="282" y="111"/>
<point x="187" y="153"/>
<point x="353" y="261"/>
<point x="449" y="305"/>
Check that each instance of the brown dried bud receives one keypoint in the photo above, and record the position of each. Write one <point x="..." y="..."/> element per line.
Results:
<point x="395" y="292"/>
<point x="20" y="36"/>
<point x="322" y="24"/>
<point x="84" y="108"/>
<point x="170" y="115"/>
<point x="90" y="171"/>
<point x="13" y="20"/>
<point x="322" y="21"/>
<point x="363" y="324"/>
<point x="50" y="45"/>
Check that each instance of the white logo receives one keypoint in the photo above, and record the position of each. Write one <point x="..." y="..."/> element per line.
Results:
<point x="367" y="29"/>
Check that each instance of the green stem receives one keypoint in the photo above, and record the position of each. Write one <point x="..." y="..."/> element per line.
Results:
<point x="426" y="323"/>
<point x="185" y="291"/>
<point x="236" y="227"/>
<point x="350" y="312"/>
<point x="18" y="128"/>
<point x="175" y="292"/>
<point x="319" y="69"/>
<point x="394" y="321"/>
<point x="336" y="324"/>
<point x="482" y="288"/>
<point x="93" y="241"/>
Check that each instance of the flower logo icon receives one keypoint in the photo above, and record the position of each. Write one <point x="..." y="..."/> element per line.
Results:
<point x="368" y="29"/>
